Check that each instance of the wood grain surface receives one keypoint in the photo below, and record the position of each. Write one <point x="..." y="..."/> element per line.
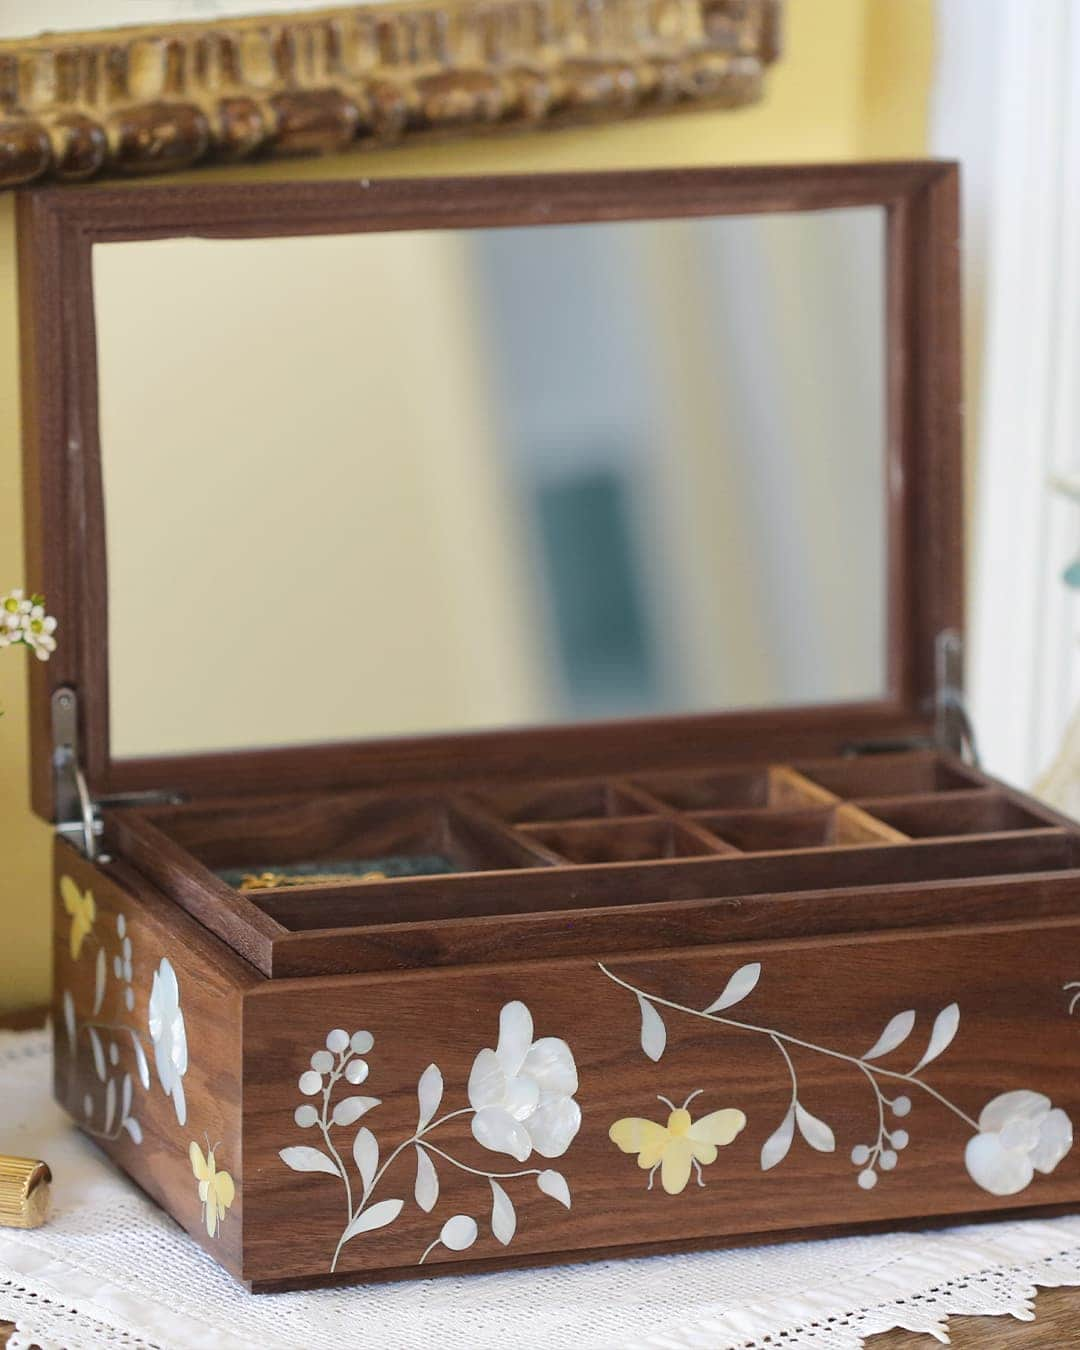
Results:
<point x="1057" y="1310"/>
<point x="825" y="999"/>
<point x="113" y="982"/>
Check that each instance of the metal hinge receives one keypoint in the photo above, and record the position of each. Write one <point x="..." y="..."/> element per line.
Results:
<point x="952" y="725"/>
<point x="953" y="730"/>
<point x="77" y="813"/>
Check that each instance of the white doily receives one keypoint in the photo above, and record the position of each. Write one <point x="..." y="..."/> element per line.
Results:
<point x="111" y="1270"/>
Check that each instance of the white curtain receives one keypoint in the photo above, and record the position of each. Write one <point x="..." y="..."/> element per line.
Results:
<point x="1007" y="104"/>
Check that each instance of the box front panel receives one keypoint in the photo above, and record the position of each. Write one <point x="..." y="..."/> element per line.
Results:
<point x="556" y="1109"/>
<point x="146" y="1018"/>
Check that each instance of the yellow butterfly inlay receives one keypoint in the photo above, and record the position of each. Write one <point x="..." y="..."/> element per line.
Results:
<point x="80" y="905"/>
<point x="680" y="1144"/>
<point x="216" y="1189"/>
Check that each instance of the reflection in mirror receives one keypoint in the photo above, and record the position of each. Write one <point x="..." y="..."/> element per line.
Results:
<point x="399" y="483"/>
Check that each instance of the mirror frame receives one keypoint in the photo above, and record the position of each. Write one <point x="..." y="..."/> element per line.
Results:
<point x="162" y="97"/>
<point x="65" y="535"/>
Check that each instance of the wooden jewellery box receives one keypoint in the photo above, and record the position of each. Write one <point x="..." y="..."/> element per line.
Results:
<point x="470" y="859"/>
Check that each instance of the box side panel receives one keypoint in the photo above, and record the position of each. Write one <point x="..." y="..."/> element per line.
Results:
<point x="147" y="1016"/>
<point x="581" y="1107"/>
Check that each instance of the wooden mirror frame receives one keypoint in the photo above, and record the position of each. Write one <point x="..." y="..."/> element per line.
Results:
<point x="66" y="553"/>
<point x="165" y="97"/>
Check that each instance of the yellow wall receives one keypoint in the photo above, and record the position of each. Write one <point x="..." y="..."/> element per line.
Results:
<point x="852" y="84"/>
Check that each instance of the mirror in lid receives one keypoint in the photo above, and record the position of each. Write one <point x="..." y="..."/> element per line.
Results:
<point x="473" y="588"/>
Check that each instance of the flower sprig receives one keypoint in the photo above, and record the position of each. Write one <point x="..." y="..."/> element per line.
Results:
<point x="521" y="1101"/>
<point x="1016" y="1135"/>
<point x="24" y="622"/>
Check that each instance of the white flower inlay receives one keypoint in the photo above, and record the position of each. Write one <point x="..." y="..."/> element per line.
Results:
<point x="1020" y="1133"/>
<point x="523" y="1091"/>
<point x="168" y="1035"/>
<point x="522" y="1095"/>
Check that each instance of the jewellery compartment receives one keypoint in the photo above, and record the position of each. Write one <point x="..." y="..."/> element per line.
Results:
<point x="511" y="685"/>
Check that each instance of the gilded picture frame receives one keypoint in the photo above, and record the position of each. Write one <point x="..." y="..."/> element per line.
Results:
<point x="159" y="98"/>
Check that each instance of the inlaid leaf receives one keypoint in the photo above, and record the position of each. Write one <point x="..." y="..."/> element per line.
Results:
<point x="946" y="1025"/>
<point x="69" y="1019"/>
<point x="140" y="1061"/>
<point x="816" y="1133"/>
<point x="896" y="1033"/>
<point x="349" y="1110"/>
<point x="303" y="1158"/>
<point x="653" y="1031"/>
<point x="125" y="1097"/>
<point x="376" y="1216"/>
<point x="429" y="1091"/>
<point x="365" y="1151"/>
<point x="427" y="1181"/>
<point x="97" y="1052"/>
<point x="737" y="988"/>
<point x="503" y="1214"/>
<point x="554" y="1184"/>
<point x="775" y="1148"/>
<point x="133" y="1128"/>
<point x="99" y="981"/>
<point x="110" y="1104"/>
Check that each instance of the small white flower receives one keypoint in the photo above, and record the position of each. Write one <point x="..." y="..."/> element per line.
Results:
<point x="24" y="622"/>
<point x="1020" y="1133"/>
<point x="37" y="629"/>
<point x="523" y="1091"/>
<point x="169" y="1036"/>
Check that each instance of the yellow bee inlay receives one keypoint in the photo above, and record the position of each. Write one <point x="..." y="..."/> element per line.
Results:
<point x="680" y="1144"/>
<point x="80" y="905"/>
<point x="216" y="1189"/>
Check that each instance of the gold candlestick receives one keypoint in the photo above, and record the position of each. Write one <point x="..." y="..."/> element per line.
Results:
<point x="25" y="1192"/>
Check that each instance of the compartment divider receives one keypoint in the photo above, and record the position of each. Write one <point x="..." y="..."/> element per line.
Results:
<point x="856" y="826"/>
<point x="622" y="839"/>
<point x="529" y="851"/>
<point x="651" y="805"/>
<point x="789" y="789"/>
<point x="716" y="842"/>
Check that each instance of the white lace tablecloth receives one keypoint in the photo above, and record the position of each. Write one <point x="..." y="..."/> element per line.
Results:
<point x="110" y="1269"/>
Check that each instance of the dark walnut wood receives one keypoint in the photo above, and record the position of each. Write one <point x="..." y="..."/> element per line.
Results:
<point x="990" y="1000"/>
<point x="862" y="958"/>
<point x="65" y="510"/>
<point x="151" y="100"/>
<point x="108" y="1059"/>
<point x="1057" y="1310"/>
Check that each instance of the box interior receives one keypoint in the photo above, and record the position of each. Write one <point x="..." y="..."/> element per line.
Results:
<point x="348" y="859"/>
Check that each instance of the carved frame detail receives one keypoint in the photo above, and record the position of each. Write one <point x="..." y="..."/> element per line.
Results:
<point x="151" y="100"/>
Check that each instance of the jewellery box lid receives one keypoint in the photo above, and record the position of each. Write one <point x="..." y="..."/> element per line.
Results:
<point x="65" y="502"/>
